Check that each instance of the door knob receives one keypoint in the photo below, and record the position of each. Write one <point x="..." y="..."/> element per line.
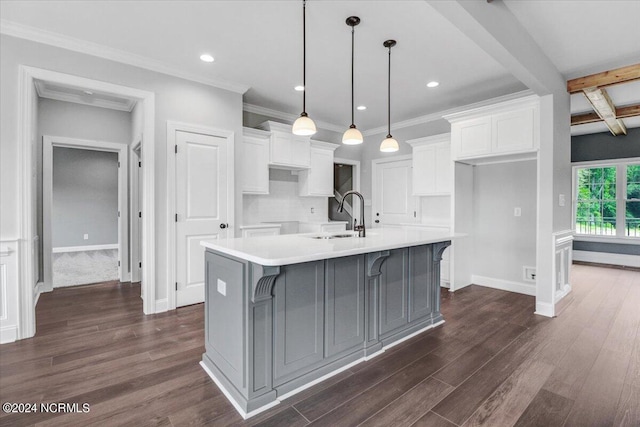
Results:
<point x="223" y="225"/>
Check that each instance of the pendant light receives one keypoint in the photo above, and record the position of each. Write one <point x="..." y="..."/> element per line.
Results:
<point x="352" y="136"/>
<point x="389" y="145"/>
<point x="303" y="125"/>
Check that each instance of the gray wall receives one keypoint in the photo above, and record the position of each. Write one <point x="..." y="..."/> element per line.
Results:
<point x="503" y="242"/>
<point x="604" y="146"/>
<point x="175" y="99"/>
<point x="85" y="197"/>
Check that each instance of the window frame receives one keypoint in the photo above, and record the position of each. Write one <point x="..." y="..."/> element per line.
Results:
<point x="621" y="199"/>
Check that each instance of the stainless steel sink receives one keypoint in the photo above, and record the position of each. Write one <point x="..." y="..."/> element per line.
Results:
<point x="333" y="236"/>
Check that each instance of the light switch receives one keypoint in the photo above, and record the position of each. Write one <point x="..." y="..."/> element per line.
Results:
<point x="86" y="237"/>
<point x="222" y="287"/>
<point x="561" y="200"/>
<point x="517" y="211"/>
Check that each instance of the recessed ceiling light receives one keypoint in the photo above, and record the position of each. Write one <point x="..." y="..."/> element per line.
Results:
<point x="299" y="88"/>
<point x="87" y="92"/>
<point x="432" y="84"/>
<point x="361" y="107"/>
<point x="206" y="57"/>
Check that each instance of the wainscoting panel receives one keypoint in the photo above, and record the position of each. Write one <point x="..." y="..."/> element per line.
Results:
<point x="8" y="291"/>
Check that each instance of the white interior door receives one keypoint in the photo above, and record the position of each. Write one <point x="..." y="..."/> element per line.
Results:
<point x="202" y="202"/>
<point x="393" y="200"/>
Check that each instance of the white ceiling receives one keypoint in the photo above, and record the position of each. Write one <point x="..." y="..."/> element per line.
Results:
<point x="258" y="44"/>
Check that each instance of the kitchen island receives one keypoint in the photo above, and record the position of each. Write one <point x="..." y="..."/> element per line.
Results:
<point x="285" y="312"/>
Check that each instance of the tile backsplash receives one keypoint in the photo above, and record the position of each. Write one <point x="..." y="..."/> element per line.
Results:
<point x="283" y="203"/>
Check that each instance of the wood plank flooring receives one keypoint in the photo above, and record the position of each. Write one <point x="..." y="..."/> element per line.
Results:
<point x="493" y="363"/>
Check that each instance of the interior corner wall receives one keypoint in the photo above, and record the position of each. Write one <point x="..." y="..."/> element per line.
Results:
<point x="85" y="197"/>
<point x="562" y="215"/>
<point x="504" y="243"/>
<point x="176" y="99"/>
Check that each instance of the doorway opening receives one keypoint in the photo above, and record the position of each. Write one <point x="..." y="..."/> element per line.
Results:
<point x="342" y="182"/>
<point x="85" y="217"/>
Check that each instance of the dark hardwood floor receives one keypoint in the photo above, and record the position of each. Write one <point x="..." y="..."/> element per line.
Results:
<point x="493" y="363"/>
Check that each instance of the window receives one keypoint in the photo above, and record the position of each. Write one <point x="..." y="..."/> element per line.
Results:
<point x="607" y="199"/>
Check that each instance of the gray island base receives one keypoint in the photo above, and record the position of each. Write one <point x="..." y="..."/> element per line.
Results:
<point x="273" y="330"/>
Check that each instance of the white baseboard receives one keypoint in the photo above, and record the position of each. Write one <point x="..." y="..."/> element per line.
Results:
<point x="544" y="309"/>
<point x="607" y="258"/>
<point x="162" y="305"/>
<point x="37" y="291"/>
<point x="63" y="249"/>
<point x="8" y="334"/>
<point x="505" y="285"/>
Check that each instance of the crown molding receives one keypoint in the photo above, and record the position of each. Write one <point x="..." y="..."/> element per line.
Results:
<point x="38" y="35"/>
<point x="440" y="115"/>
<point x="263" y="111"/>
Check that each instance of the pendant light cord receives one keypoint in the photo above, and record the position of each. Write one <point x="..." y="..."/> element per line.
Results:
<point x="389" y="97"/>
<point x="304" y="58"/>
<point x="352" y="79"/>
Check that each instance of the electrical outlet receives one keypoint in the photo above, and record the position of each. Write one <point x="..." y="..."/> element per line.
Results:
<point x="561" y="200"/>
<point x="222" y="287"/>
<point x="86" y="237"/>
<point x="313" y="210"/>
<point x="517" y="211"/>
<point x="529" y="273"/>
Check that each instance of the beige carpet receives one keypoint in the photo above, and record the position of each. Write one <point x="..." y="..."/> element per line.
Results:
<point x="82" y="268"/>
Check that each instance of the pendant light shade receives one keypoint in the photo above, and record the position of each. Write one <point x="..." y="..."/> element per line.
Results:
<point x="352" y="136"/>
<point x="304" y="126"/>
<point x="389" y="145"/>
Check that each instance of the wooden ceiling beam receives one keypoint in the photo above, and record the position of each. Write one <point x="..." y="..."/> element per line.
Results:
<point x="602" y="104"/>
<point x="606" y="78"/>
<point x="621" y="113"/>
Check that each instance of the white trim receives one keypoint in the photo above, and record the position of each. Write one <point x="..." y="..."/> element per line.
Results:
<point x="607" y="258"/>
<point x="48" y="143"/>
<point x="39" y="289"/>
<point x="8" y="334"/>
<point x="268" y="112"/>
<point x="505" y="285"/>
<point x="38" y="35"/>
<point x="233" y="401"/>
<point x="172" y="128"/>
<point x="26" y="211"/>
<point x="544" y="309"/>
<point x="135" y="235"/>
<point x="161" y="305"/>
<point x="441" y="114"/>
<point x="607" y="162"/>
<point x="65" y="249"/>
<point x="96" y="101"/>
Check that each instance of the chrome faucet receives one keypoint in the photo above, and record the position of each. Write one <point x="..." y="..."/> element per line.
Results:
<point x="362" y="232"/>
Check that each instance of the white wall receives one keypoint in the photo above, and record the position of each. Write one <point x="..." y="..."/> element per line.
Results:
<point x="175" y="99"/>
<point x="85" y="197"/>
<point x="504" y="243"/>
<point x="283" y="203"/>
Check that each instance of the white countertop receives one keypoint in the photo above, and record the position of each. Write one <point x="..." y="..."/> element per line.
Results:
<point x="297" y="248"/>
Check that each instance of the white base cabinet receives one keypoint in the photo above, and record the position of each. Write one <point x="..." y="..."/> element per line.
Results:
<point x="432" y="165"/>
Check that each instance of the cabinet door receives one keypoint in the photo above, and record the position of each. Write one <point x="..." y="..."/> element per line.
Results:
<point x="471" y="137"/>
<point x="320" y="178"/>
<point x="424" y="170"/>
<point x="513" y="131"/>
<point x="420" y="273"/>
<point x="280" y="152"/>
<point x="443" y="167"/>
<point x="300" y="147"/>
<point x="255" y="165"/>
<point x="393" y="291"/>
<point x="298" y="320"/>
<point x="344" y="304"/>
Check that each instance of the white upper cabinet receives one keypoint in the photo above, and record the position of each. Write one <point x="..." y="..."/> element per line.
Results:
<point x="507" y="128"/>
<point x="287" y="151"/>
<point x="255" y="161"/>
<point x="318" y="179"/>
<point x="432" y="165"/>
